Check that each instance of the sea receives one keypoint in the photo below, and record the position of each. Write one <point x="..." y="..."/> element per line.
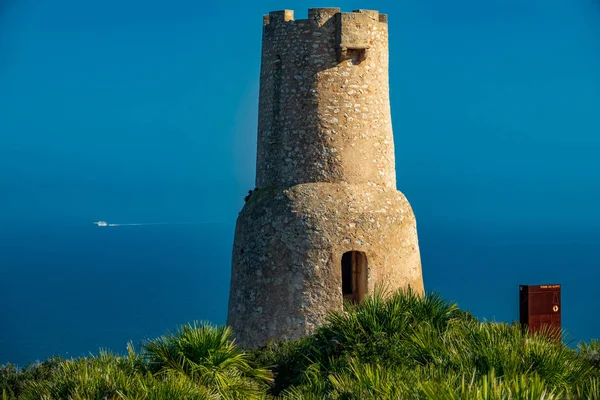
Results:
<point x="71" y="289"/>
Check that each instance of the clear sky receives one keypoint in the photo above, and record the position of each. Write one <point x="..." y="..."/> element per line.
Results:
<point x="135" y="111"/>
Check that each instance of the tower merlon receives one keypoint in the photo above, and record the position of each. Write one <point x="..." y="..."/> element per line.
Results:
<point x="352" y="31"/>
<point x="275" y="17"/>
<point x="373" y="14"/>
<point x="321" y="15"/>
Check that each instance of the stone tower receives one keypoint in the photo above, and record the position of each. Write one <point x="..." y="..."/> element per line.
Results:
<point x="325" y="222"/>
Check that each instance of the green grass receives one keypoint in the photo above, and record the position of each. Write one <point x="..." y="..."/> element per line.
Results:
<point x="391" y="346"/>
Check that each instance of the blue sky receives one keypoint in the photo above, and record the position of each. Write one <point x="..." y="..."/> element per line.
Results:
<point x="146" y="110"/>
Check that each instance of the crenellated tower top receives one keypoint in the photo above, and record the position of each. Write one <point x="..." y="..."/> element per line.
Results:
<point x="320" y="14"/>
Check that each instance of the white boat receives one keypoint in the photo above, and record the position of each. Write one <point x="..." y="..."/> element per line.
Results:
<point x="101" y="223"/>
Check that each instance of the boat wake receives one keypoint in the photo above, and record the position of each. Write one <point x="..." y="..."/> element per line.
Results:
<point x="104" y="223"/>
<point x="141" y="224"/>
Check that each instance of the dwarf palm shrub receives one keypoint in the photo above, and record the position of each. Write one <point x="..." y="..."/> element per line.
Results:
<point x="288" y="360"/>
<point x="489" y="387"/>
<point x="590" y="353"/>
<point x="199" y="362"/>
<point x="94" y="377"/>
<point x="392" y="344"/>
<point x="375" y="382"/>
<point x="208" y="356"/>
<point x="509" y="351"/>
<point x="167" y="386"/>
<point x="13" y="379"/>
<point x="10" y="381"/>
<point x="374" y="331"/>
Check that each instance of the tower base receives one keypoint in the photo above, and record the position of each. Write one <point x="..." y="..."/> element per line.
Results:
<point x="299" y="251"/>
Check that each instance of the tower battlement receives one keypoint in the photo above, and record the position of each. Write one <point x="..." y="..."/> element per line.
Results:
<point x="352" y="28"/>
<point x="318" y="15"/>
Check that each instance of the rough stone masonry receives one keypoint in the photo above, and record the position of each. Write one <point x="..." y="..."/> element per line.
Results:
<point x="325" y="222"/>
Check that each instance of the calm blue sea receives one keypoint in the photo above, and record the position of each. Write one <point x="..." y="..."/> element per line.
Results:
<point x="70" y="289"/>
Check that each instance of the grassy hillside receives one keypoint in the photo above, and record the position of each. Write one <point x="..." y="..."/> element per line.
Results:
<point x="399" y="346"/>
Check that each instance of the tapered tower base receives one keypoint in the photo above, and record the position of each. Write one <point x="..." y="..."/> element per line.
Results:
<point x="300" y="251"/>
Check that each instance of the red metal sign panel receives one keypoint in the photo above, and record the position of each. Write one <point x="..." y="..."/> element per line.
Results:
<point x="540" y="305"/>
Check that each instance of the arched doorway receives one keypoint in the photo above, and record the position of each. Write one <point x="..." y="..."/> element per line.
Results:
<point x="354" y="276"/>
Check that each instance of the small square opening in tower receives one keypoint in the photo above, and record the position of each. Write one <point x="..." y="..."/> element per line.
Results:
<point x="354" y="276"/>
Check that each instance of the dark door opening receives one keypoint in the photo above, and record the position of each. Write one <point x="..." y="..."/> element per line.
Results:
<point x="354" y="276"/>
